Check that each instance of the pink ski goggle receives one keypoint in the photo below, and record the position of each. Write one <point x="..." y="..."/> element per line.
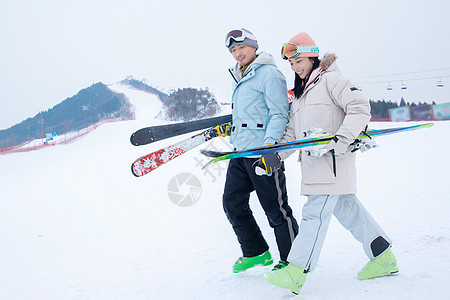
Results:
<point x="291" y="50"/>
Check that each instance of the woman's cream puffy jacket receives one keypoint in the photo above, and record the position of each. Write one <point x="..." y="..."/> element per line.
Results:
<point x="334" y="104"/>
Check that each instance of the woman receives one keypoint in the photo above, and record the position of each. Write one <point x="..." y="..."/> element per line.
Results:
<point x="324" y="99"/>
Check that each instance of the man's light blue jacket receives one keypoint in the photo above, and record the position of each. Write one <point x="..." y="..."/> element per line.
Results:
<point x="260" y="105"/>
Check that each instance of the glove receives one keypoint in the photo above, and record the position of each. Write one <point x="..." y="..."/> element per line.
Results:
<point x="338" y="145"/>
<point x="363" y="144"/>
<point x="270" y="162"/>
<point x="223" y="129"/>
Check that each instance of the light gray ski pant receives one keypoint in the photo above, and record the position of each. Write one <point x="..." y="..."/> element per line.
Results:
<point x="316" y="217"/>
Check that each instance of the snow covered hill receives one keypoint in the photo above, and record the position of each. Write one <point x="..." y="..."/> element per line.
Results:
<point x="76" y="224"/>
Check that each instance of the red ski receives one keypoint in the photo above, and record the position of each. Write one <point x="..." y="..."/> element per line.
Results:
<point x="149" y="162"/>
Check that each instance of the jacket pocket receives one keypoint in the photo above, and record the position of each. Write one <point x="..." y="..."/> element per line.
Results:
<point x="249" y="134"/>
<point x="318" y="115"/>
<point x="317" y="170"/>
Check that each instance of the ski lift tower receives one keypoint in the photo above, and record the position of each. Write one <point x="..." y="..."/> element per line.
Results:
<point x="42" y="129"/>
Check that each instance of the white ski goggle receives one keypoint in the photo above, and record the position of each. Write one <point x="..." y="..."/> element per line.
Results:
<point x="238" y="36"/>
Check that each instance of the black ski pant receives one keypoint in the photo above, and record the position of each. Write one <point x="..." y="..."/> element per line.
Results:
<point x="241" y="180"/>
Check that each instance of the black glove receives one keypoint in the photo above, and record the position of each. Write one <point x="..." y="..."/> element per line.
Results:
<point x="271" y="162"/>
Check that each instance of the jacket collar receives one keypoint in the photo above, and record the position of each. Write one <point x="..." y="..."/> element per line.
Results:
<point x="263" y="58"/>
<point x="327" y="64"/>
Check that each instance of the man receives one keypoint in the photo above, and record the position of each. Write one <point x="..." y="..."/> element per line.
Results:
<point x="260" y="111"/>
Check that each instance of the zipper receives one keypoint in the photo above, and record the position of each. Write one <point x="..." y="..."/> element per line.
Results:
<point x="232" y="75"/>
<point x="248" y="70"/>
<point x="311" y="85"/>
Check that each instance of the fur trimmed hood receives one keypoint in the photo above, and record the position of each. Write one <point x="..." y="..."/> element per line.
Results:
<point x="325" y="63"/>
<point x="327" y="60"/>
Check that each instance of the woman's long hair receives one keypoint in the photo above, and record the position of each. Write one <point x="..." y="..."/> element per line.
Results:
<point x="299" y="84"/>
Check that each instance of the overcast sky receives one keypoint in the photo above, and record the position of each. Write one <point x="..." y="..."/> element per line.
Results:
<point x="50" y="49"/>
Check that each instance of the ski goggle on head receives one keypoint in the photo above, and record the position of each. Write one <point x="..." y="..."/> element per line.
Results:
<point x="291" y="50"/>
<point x="238" y="36"/>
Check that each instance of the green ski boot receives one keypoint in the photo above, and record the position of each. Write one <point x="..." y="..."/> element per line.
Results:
<point x="384" y="264"/>
<point x="244" y="263"/>
<point x="290" y="277"/>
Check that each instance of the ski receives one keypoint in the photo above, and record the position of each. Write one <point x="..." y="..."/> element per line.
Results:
<point x="219" y="156"/>
<point x="152" y="134"/>
<point x="150" y="162"/>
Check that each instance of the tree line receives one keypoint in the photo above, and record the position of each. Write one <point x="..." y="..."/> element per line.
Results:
<point x="380" y="108"/>
<point x="190" y="104"/>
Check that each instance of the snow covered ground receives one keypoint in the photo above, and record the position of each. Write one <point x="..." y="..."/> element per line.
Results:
<point x="76" y="224"/>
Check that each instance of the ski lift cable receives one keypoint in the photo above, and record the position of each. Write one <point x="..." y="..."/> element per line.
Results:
<point x="404" y="80"/>
<point x="398" y="74"/>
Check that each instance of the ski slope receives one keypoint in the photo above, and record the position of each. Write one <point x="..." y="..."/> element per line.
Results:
<point x="76" y="224"/>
